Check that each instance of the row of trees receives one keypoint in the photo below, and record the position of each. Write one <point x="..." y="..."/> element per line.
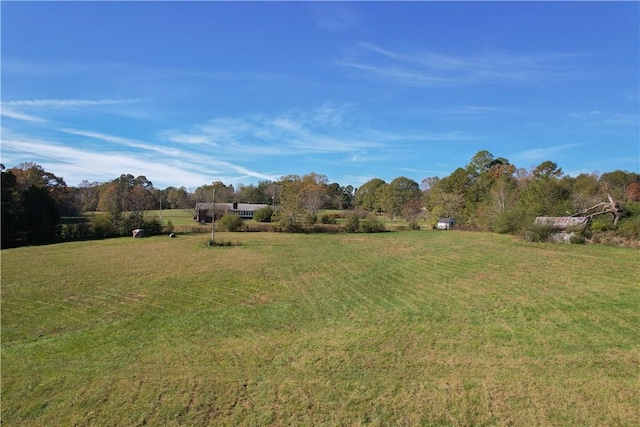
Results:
<point x="488" y="193"/>
<point x="32" y="203"/>
<point x="491" y="193"/>
<point x="129" y="193"/>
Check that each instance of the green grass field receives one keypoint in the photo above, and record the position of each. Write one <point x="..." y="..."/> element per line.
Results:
<point x="409" y="328"/>
<point x="178" y="217"/>
<point x="182" y="219"/>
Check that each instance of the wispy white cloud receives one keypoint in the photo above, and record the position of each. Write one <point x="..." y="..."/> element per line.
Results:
<point x="228" y="148"/>
<point x="8" y="112"/>
<point x="76" y="162"/>
<point x="67" y="103"/>
<point x="585" y="114"/>
<point x="173" y="153"/>
<point x="187" y="138"/>
<point x="471" y="111"/>
<point x="127" y="142"/>
<point x="541" y="154"/>
<point x="323" y="130"/>
<point x="335" y="16"/>
<point x="600" y="118"/>
<point x="432" y="69"/>
<point x="23" y="109"/>
<point x="128" y="73"/>
<point x="463" y="112"/>
<point x="17" y="148"/>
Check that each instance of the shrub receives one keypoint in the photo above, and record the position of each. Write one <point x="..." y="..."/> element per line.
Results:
<point x="218" y="243"/>
<point x="263" y="214"/>
<point x="310" y="219"/>
<point x="103" y="226"/>
<point x="288" y="224"/>
<point x="75" y="231"/>
<point x="132" y="221"/>
<point x="507" y="222"/>
<point x="168" y="228"/>
<point x="413" y="225"/>
<point x="538" y="233"/>
<point x="629" y="228"/>
<point x="353" y="224"/>
<point x="602" y="224"/>
<point x="259" y="226"/>
<point x="329" y="219"/>
<point x="152" y="226"/>
<point x="325" y="228"/>
<point x="371" y="225"/>
<point x="231" y="222"/>
<point x="577" y="239"/>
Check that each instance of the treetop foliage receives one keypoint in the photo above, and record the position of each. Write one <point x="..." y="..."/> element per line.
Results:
<point x="488" y="193"/>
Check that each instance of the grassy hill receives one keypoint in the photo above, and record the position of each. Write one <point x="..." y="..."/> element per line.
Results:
<point x="410" y="328"/>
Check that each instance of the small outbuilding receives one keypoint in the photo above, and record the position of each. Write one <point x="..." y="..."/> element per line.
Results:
<point x="561" y="223"/>
<point x="445" y="223"/>
<point x="563" y="228"/>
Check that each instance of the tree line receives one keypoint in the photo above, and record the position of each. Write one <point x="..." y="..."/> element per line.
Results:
<point x="488" y="193"/>
<point x="491" y="193"/>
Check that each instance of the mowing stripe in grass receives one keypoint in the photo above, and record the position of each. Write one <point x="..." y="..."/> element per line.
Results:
<point x="416" y="328"/>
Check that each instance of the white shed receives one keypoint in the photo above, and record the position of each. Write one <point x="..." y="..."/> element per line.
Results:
<point x="445" y="223"/>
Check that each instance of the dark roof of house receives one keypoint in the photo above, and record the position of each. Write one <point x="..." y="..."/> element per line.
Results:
<point x="229" y="206"/>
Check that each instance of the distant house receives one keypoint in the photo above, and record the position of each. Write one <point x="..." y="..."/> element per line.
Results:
<point x="445" y="223"/>
<point x="243" y="210"/>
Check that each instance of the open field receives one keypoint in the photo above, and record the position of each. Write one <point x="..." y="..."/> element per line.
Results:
<point x="410" y="328"/>
<point x="178" y="217"/>
<point x="182" y="219"/>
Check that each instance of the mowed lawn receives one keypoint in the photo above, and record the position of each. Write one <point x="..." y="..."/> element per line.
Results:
<point x="407" y="328"/>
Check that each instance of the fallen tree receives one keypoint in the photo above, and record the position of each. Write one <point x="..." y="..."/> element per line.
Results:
<point x="611" y="207"/>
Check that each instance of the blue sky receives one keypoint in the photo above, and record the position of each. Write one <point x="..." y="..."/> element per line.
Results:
<point x="187" y="93"/>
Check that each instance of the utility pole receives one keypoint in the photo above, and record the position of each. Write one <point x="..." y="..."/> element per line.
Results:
<point x="213" y="213"/>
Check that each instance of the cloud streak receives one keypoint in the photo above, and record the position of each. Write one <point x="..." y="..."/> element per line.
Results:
<point x="21" y="109"/>
<point x="8" y="112"/>
<point x="601" y="118"/>
<point x="106" y="163"/>
<point x="326" y="129"/>
<point x="68" y="103"/>
<point x="227" y="147"/>
<point x="542" y="154"/>
<point x="432" y="69"/>
<point x="335" y="17"/>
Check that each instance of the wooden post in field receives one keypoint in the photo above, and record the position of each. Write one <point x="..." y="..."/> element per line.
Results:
<point x="213" y="212"/>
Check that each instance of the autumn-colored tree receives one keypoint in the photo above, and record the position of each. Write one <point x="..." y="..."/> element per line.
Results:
<point x="290" y="214"/>
<point x="313" y="193"/>
<point x="632" y="193"/>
